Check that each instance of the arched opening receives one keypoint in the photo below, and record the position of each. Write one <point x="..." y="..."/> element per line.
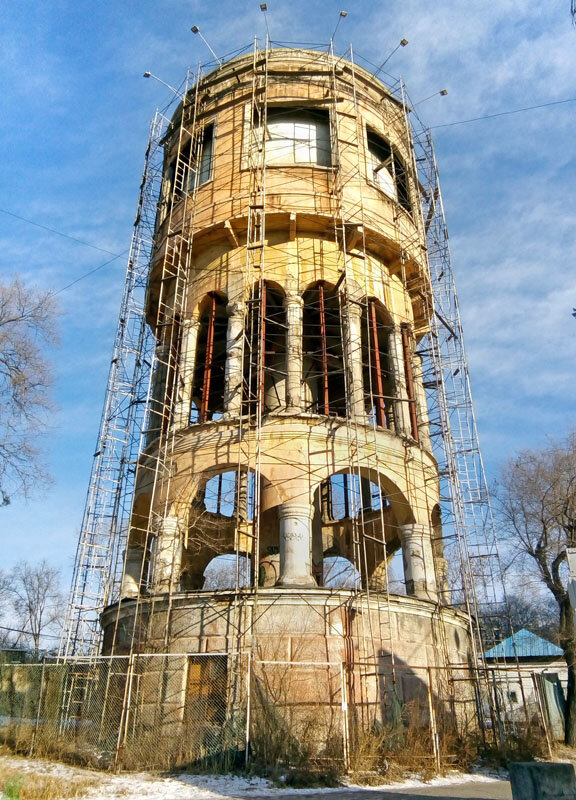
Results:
<point x="265" y="350"/>
<point x="227" y="571"/>
<point x="378" y="375"/>
<point x="346" y="495"/>
<point x="340" y="573"/>
<point x="353" y="520"/>
<point x="210" y="361"/>
<point x="220" y="522"/>
<point x="323" y="361"/>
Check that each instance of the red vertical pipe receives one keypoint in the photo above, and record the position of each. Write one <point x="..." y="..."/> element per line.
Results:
<point x="262" y="376"/>
<point x="204" y="406"/>
<point x="407" y="355"/>
<point x="377" y="366"/>
<point x="324" y="350"/>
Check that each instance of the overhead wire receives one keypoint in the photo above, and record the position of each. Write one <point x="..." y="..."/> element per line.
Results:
<point x="503" y="113"/>
<point x="74" y="239"/>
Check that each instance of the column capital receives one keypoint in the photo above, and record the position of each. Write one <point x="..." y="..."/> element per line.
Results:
<point x="189" y="323"/>
<point x="236" y="308"/>
<point x="353" y="308"/>
<point x="295" y="509"/>
<point x="293" y="299"/>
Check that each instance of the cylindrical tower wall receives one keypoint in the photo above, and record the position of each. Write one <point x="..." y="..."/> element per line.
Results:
<point x="288" y="289"/>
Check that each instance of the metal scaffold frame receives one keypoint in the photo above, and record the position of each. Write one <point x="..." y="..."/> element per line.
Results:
<point x="108" y="503"/>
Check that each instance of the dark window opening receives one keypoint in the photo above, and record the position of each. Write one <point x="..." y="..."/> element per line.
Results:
<point x="379" y="386"/>
<point x="297" y="136"/>
<point x="193" y="165"/>
<point x="347" y="495"/>
<point x="323" y="367"/>
<point x="386" y="169"/>
<point x="165" y="368"/>
<point x="210" y="364"/>
<point x="409" y="375"/>
<point x="265" y="351"/>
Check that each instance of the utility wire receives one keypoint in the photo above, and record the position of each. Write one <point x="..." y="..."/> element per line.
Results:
<point x="87" y="274"/>
<point x="504" y="113"/>
<point x="28" y="633"/>
<point x="74" y="239"/>
<point x="59" y="233"/>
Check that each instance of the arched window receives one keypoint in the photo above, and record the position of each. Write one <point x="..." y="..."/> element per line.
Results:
<point x="347" y="495"/>
<point x="224" y="492"/>
<point x="210" y="363"/>
<point x="265" y="350"/>
<point x="226" y="571"/>
<point x="386" y="169"/>
<point x="378" y="376"/>
<point x="323" y="367"/>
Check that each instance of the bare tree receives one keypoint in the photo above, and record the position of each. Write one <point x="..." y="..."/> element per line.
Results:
<point x="5" y="634"/>
<point x="532" y="610"/>
<point x="27" y="325"/>
<point x="37" y="600"/>
<point x="537" y="500"/>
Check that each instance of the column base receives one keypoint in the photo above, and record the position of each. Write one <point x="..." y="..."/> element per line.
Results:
<point x="297" y="582"/>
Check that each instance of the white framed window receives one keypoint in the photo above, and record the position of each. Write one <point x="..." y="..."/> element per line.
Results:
<point x="297" y="136"/>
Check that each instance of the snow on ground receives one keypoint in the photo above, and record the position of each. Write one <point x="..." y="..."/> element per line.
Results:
<point x="139" y="786"/>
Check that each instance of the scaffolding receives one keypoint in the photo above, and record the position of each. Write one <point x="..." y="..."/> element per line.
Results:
<point x="153" y="393"/>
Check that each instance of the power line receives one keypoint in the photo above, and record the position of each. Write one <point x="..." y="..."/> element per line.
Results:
<point x="87" y="274"/>
<point x="504" y="113"/>
<point x="74" y="239"/>
<point x="29" y="633"/>
<point x="58" y="233"/>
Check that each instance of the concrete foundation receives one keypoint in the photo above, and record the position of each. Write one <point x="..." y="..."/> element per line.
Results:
<point x="537" y="781"/>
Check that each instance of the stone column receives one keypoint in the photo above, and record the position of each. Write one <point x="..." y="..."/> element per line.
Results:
<point x="234" y="349"/>
<point x="442" y="584"/>
<point x="293" y="304"/>
<point x="190" y="330"/>
<point x="418" y="561"/>
<point x="132" y="577"/>
<point x="401" y="411"/>
<point x="295" y="544"/>
<point x="353" y="345"/>
<point x="167" y="556"/>
<point x="421" y="404"/>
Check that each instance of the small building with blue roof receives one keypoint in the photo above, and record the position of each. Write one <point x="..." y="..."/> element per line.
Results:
<point x="530" y="671"/>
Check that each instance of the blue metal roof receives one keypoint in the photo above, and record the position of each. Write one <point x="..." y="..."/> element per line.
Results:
<point x="524" y="644"/>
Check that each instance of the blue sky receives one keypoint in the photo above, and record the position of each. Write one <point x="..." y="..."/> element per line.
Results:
<point x="75" y="119"/>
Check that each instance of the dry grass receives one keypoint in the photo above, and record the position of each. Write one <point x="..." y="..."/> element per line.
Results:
<point x="38" y="786"/>
<point x="19" y="780"/>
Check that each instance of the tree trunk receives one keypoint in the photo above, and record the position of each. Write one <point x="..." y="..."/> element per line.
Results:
<point x="568" y="642"/>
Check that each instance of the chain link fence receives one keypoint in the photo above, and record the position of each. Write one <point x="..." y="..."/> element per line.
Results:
<point x="216" y="711"/>
<point x="153" y="711"/>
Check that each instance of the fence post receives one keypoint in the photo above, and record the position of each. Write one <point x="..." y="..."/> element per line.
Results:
<point x="543" y="715"/>
<point x="124" y="717"/>
<point x="345" y="725"/>
<point x="248" y="706"/>
<point x="433" y="728"/>
<point x="39" y="709"/>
